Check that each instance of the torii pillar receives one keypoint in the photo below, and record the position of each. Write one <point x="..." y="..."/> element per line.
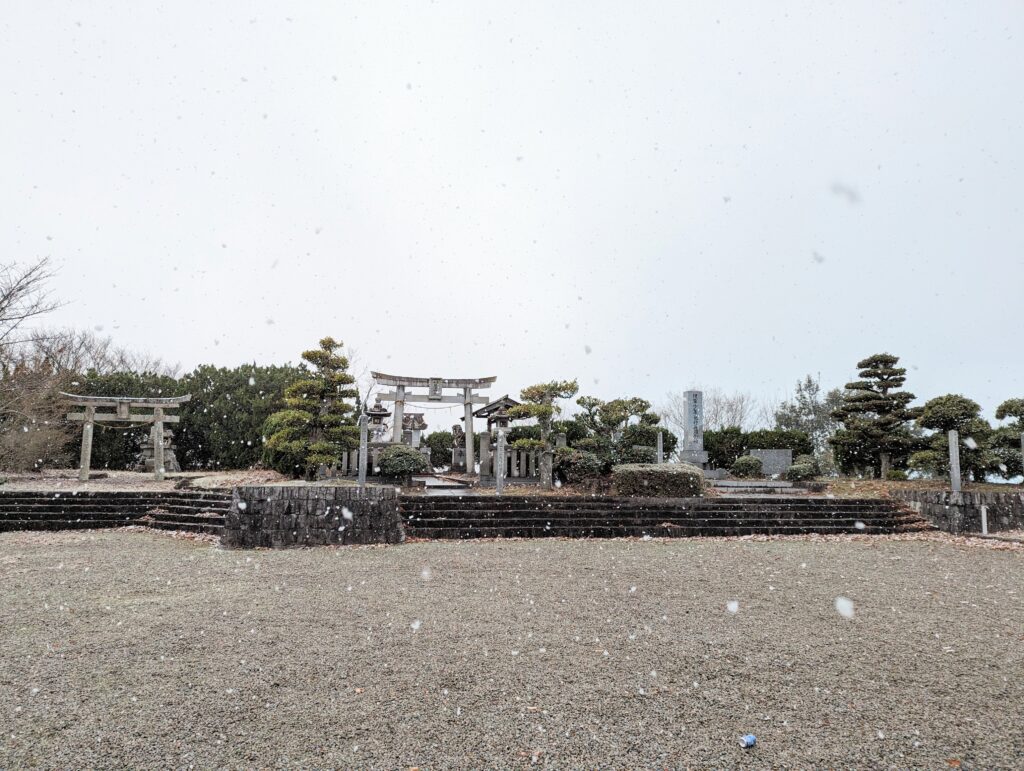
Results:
<point x="467" y="394"/>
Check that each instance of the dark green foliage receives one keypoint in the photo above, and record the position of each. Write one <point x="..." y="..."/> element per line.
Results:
<point x="725" y="446"/>
<point x="603" y="418"/>
<point x="318" y="424"/>
<point x="672" y="480"/>
<point x="746" y="467"/>
<point x="522" y="432"/>
<point x="117" y="446"/>
<point x="636" y="454"/>
<point x="540" y="403"/>
<point x="896" y="475"/>
<point x="1005" y="440"/>
<point x="399" y="461"/>
<point x="440" y="444"/>
<point x="808" y="460"/>
<point x="776" y="439"/>
<point x="573" y="430"/>
<point x="954" y="412"/>
<point x="800" y="472"/>
<point x="646" y="435"/>
<point x="575" y="465"/>
<point x="1011" y="408"/>
<point x="222" y="427"/>
<point x="875" y="416"/>
<point x="602" y="448"/>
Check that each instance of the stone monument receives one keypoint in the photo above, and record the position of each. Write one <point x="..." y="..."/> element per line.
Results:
<point x="693" y="430"/>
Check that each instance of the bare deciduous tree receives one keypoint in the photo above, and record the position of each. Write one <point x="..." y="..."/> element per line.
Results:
<point x="721" y="410"/>
<point x="23" y="297"/>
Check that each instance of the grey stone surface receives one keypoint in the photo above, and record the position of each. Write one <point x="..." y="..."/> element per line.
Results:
<point x="693" y="427"/>
<point x="954" y="460"/>
<point x="960" y="512"/>
<point x="283" y="516"/>
<point x="773" y="462"/>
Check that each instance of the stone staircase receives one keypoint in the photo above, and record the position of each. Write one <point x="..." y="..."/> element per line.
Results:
<point x="194" y="511"/>
<point x="474" y="516"/>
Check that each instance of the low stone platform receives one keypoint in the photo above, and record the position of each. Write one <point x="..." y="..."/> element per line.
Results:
<point x="480" y="516"/>
<point x="283" y="516"/>
<point x="196" y="511"/>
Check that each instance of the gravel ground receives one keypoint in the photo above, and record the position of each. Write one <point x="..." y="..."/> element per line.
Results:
<point x="135" y="649"/>
<point x="130" y="481"/>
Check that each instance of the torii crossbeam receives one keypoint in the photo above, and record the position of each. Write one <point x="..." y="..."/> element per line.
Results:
<point x="435" y="393"/>
<point x="123" y="413"/>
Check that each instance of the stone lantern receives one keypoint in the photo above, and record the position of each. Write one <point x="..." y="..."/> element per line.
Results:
<point x="377" y="415"/>
<point x="501" y="419"/>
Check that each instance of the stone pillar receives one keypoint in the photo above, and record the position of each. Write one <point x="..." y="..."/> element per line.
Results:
<point x="499" y="468"/>
<point x="515" y="462"/>
<point x="954" y="460"/>
<point x="546" y="475"/>
<point x="363" y="441"/>
<point x="530" y="463"/>
<point x="693" y="428"/>
<point x="886" y="464"/>
<point x="87" y="426"/>
<point x="661" y="448"/>
<point x="560" y="440"/>
<point x="485" y="454"/>
<point x="399" y="414"/>
<point x="158" y="444"/>
<point x="468" y="394"/>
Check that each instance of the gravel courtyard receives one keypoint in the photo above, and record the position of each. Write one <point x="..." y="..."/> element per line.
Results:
<point x="137" y="649"/>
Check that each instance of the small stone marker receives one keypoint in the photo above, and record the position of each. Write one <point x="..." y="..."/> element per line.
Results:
<point x="363" y="441"/>
<point x="499" y="462"/>
<point x="954" y="460"/>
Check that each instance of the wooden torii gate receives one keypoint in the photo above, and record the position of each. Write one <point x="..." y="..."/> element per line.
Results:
<point x="435" y="393"/>
<point x="123" y="413"/>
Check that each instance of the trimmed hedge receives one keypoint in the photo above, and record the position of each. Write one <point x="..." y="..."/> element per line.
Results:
<point x="668" y="480"/>
<point x="801" y="472"/>
<point x="747" y="467"/>
<point x="400" y="460"/>
<point x="896" y="475"/>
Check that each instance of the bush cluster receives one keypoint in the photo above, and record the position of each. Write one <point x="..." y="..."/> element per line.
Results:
<point x="801" y="472"/>
<point x="669" y="480"/>
<point x="400" y="460"/>
<point x="746" y="467"/>
<point x="896" y="475"/>
<point x="726" y="446"/>
<point x="574" y="465"/>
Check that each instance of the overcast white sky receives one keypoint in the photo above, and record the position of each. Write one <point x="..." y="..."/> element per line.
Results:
<point x="643" y="196"/>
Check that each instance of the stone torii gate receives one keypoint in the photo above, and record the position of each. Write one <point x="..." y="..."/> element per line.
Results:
<point x="123" y="406"/>
<point x="435" y="393"/>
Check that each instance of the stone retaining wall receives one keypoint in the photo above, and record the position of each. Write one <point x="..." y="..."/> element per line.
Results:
<point x="279" y="517"/>
<point x="961" y="512"/>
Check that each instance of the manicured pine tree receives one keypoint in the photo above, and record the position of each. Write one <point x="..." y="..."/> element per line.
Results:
<point x="875" y="417"/>
<point x="318" y="425"/>
<point x="539" y="403"/>
<point x="955" y="412"/>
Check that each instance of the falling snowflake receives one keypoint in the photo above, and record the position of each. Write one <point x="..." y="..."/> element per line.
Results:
<point x="859" y="525"/>
<point x="346" y="513"/>
<point x="844" y="606"/>
<point x="415" y="625"/>
<point x="969" y="441"/>
<point x="425" y="574"/>
<point x="732" y="606"/>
